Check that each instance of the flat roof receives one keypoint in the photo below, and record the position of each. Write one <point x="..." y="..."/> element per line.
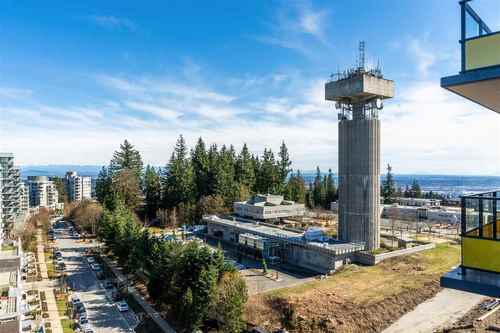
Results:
<point x="338" y="247"/>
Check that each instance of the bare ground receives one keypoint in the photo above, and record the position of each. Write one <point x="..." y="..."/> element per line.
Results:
<point x="469" y="323"/>
<point x="357" y="299"/>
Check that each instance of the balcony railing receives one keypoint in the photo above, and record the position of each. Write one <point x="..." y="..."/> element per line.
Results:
<point x="480" y="45"/>
<point x="481" y="231"/>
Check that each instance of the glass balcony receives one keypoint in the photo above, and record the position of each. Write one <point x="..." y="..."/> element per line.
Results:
<point x="479" y="77"/>
<point x="480" y="268"/>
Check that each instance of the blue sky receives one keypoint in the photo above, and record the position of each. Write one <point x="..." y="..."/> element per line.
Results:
<point x="77" y="78"/>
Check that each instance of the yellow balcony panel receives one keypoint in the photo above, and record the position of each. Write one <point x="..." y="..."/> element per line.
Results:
<point x="481" y="86"/>
<point x="481" y="254"/>
<point x="483" y="51"/>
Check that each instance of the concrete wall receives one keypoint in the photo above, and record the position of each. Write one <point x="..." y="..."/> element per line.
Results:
<point x="292" y="254"/>
<point x="366" y="258"/>
<point x="359" y="181"/>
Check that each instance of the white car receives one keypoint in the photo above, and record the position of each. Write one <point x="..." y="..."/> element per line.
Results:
<point x="122" y="306"/>
<point x="90" y="260"/>
<point x="75" y="300"/>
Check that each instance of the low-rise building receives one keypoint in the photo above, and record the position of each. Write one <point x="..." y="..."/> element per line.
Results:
<point x="419" y="213"/>
<point x="418" y="202"/>
<point x="11" y="289"/>
<point x="78" y="187"/>
<point x="266" y="207"/>
<point x="309" y="250"/>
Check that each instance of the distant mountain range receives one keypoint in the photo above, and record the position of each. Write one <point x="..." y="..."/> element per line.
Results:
<point x="438" y="183"/>
<point x="59" y="170"/>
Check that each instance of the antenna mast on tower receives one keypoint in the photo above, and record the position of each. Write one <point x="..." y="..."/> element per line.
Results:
<point x="361" y="59"/>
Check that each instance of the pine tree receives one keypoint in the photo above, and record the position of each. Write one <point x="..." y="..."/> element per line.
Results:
<point x="127" y="157"/>
<point x="245" y="172"/>
<point x="284" y="164"/>
<point x="103" y="185"/>
<point x="389" y="187"/>
<point x="199" y="160"/>
<point x="416" y="191"/>
<point x="268" y="178"/>
<point x="178" y="179"/>
<point x="152" y="191"/>
<point x="296" y="189"/>
<point x="318" y="189"/>
<point x="331" y="190"/>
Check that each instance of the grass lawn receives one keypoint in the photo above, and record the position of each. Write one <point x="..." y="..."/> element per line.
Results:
<point x="8" y="247"/>
<point x="390" y="277"/>
<point x="61" y="306"/>
<point x="67" y="325"/>
<point x="51" y="272"/>
<point x="156" y="230"/>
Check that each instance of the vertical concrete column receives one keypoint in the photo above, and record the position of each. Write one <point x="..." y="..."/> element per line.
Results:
<point x="359" y="180"/>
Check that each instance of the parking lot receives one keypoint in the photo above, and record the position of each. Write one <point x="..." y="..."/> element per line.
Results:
<point x="102" y="312"/>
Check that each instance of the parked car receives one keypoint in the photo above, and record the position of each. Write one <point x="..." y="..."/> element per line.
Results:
<point x="82" y="321"/>
<point x="90" y="260"/>
<point x="75" y="299"/>
<point x="108" y="285"/>
<point x="122" y="306"/>
<point x="95" y="267"/>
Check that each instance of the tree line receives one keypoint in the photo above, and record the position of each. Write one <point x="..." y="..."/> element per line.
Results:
<point x="191" y="281"/>
<point x="205" y="179"/>
<point x="390" y="191"/>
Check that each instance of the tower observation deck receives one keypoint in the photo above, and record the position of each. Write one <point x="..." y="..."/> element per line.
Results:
<point x="358" y="95"/>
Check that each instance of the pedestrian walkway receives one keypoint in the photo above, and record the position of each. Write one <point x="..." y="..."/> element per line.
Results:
<point x="442" y="310"/>
<point x="41" y="255"/>
<point x="47" y="286"/>
<point x="55" y="320"/>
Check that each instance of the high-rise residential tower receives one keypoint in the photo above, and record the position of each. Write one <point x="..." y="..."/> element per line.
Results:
<point x="78" y="187"/>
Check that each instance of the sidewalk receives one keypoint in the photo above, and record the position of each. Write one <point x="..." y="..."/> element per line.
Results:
<point x="443" y="309"/>
<point x="47" y="286"/>
<point x="41" y="254"/>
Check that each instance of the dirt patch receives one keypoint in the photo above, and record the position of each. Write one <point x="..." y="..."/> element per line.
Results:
<point x="321" y="312"/>
<point x="357" y="299"/>
<point x="469" y="322"/>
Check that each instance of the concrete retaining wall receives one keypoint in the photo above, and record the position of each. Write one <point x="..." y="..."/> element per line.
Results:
<point x="367" y="258"/>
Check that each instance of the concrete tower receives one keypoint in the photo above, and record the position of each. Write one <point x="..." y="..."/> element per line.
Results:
<point x="358" y="94"/>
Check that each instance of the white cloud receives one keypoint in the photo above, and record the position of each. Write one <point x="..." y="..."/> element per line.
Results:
<point x="298" y="27"/>
<point x="113" y="22"/>
<point x="15" y="93"/>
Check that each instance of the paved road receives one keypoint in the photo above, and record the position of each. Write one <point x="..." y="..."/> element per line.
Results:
<point x="442" y="310"/>
<point x="103" y="315"/>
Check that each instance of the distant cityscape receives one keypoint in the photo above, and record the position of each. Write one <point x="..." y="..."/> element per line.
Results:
<point x="453" y="185"/>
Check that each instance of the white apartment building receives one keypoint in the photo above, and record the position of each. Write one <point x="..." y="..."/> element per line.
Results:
<point x="42" y="192"/>
<point x="10" y="192"/>
<point x="78" y="187"/>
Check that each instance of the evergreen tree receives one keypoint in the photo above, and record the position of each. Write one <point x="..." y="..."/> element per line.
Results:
<point x="152" y="191"/>
<point x="416" y="191"/>
<point x="103" y="185"/>
<point x="389" y="186"/>
<point x="284" y="164"/>
<point x="331" y="190"/>
<point x="245" y="172"/>
<point x="178" y="179"/>
<point x="213" y="169"/>
<point x="127" y="157"/>
<point x="199" y="160"/>
<point x="268" y="177"/>
<point x="318" y="194"/>
<point x="296" y="188"/>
